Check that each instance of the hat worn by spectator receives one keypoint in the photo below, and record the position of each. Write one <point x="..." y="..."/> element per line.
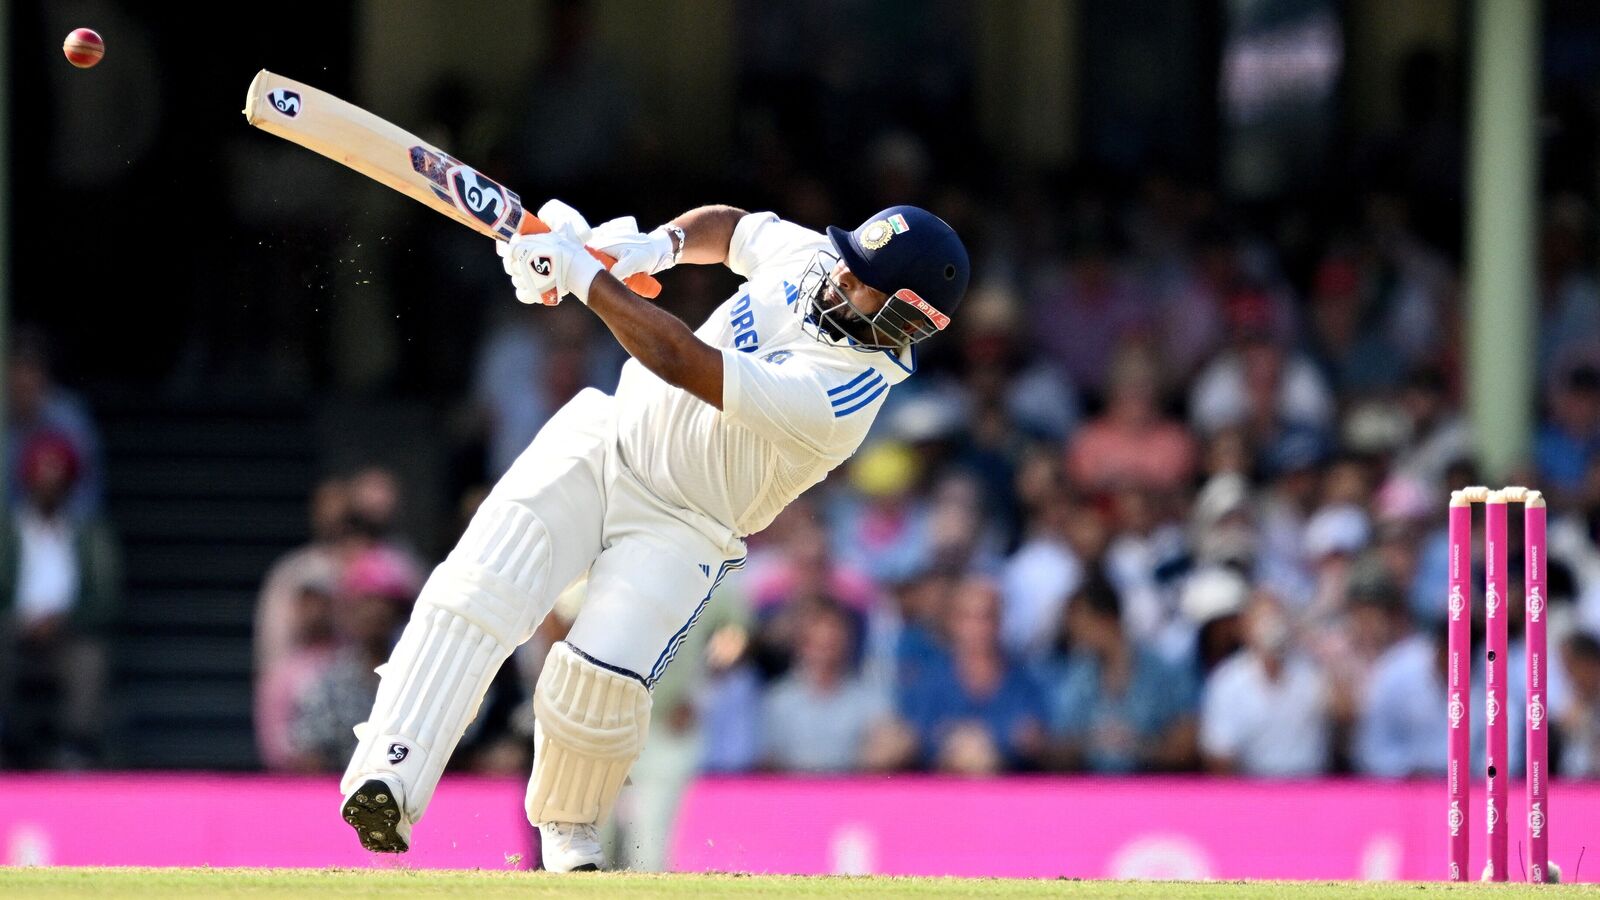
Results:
<point x="1221" y="497"/>
<point x="886" y="469"/>
<point x="1212" y="593"/>
<point x="1337" y="530"/>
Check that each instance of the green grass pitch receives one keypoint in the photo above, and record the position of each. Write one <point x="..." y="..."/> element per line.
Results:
<point x="341" y="883"/>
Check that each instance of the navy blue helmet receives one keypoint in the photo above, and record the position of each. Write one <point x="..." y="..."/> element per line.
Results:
<point x="916" y="258"/>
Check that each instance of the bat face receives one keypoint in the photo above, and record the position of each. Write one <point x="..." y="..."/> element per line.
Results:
<point x="349" y="134"/>
<point x="392" y="156"/>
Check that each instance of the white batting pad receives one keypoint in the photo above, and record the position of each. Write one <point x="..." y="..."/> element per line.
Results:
<point x="475" y="609"/>
<point x="591" y="726"/>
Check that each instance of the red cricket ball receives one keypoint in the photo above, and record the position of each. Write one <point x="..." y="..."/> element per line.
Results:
<point x="83" y="47"/>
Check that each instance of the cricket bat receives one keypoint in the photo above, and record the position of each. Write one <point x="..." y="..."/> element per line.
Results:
<point x="392" y="156"/>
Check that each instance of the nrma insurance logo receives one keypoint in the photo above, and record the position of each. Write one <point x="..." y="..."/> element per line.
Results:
<point x="1457" y="818"/>
<point x="1458" y="603"/>
<point x="1458" y="709"/>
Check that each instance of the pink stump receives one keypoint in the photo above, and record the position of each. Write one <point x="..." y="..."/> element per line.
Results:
<point x="1538" y="732"/>
<point x="1495" y="693"/>
<point x="1459" y="689"/>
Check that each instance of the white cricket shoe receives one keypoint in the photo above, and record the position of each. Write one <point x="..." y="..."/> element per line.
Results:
<point x="570" y="847"/>
<point x="374" y="811"/>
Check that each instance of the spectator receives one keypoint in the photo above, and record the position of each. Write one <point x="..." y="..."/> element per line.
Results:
<point x="280" y="684"/>
<point x="1265" y="711"/>
<point x="1404" y="714"/>
<point x="376" y="590"/>
<point x="784" y="585"/>
<point x="882" y="527"/>
<point x="59" y="595"/>
<point x="1347" y="648"/>
<point x="1579" y="720"/>
<point x="1211" y="630"/>
<point x="816" y="718"/>
<point x="36" y="404"/>
<point x="1116" y="706"/>
<point x="1036" y="392"/>
<point x="1256" y="385"/>
<point x="1293" y="464"/>
<point x="1438" y="433"/>
<point x="1036" y="581"/>
<point x="1569" y="438"/>
<point x="979" y="713"/>
<point x="1334" y="537"/>
<point x="528" y="366"/>
<point x="1146" y="560"/>
<point x="1086" y="308"/>
<point x="1133" y="444"/>
<point x="1569" y="295"/>
<point x="1346" y="337"/>
<point x="277" y="626"/>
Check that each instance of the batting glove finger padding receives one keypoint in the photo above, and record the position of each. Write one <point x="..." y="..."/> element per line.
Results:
<point x="636" y="253"/>
<point x="544" y="268"/>
<point x="559" y="215"/>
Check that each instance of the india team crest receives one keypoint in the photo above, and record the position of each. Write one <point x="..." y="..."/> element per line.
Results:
<point x="880" y="232"/>
<point x="876" y="235"/>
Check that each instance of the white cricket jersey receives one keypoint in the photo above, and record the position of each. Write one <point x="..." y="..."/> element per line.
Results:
<point x="794" y="407"/>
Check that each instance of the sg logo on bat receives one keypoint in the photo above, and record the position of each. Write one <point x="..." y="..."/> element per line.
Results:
<point x="477" y="196"/>
<point x="285" y="101"/>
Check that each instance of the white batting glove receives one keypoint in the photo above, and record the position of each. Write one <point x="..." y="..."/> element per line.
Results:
<point x="557" y="215"/>
<point x="544" y="268"/>
<point x="635" y="252"/>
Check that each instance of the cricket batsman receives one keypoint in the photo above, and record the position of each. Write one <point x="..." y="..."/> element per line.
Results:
<point x="650" y="492"/>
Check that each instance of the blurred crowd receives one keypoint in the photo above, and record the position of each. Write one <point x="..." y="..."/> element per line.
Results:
<point x="60" y="571"/>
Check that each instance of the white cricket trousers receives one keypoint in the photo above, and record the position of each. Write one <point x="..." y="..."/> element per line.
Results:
<point x="565" y="507"/>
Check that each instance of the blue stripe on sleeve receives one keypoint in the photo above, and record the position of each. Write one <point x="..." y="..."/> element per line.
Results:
<point x="851" y="383"/>
<point x="841" y="413"/>
<point x="868" y="385"/>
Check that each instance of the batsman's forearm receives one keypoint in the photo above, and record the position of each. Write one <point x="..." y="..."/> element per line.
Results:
<point x="707" y="231"/>
<point x="659" y="340"/>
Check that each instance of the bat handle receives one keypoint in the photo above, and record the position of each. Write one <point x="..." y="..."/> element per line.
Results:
<point x="642" y="284"/>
